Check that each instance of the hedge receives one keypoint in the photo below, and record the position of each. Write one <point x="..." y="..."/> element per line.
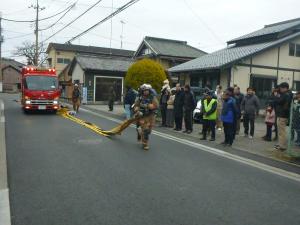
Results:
<point x="145" y="71"/>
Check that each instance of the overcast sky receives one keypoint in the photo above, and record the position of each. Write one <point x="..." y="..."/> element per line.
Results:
<point x="205" y="24"/>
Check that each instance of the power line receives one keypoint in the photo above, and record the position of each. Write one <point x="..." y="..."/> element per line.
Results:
<point x="200" y="19"/>
<point x="31" y="21"/>
<point x="84" y="4"/>
<point x="52" y="25"/>
<point x="128" y="4"/>
<point x="19" y="36"/>
<point x="101" y="36"/>
<point x="73" y="20"/>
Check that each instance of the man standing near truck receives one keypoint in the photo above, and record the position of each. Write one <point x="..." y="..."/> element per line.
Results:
<point x="76" y="98"/>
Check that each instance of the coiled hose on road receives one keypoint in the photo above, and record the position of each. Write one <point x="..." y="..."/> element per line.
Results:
<point x="67" y="114"/>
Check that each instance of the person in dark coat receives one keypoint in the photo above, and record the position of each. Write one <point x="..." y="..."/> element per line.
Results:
<point x="250" y="108"/>
<point x="189" y="106"/>
<point x="283" y="104"/>
<point x="239" y="97"/>
<point x="178" y="107"/>
<point x="111" y="98"/>
<point x="230" y="92"/>
<point x="129" y="101"/>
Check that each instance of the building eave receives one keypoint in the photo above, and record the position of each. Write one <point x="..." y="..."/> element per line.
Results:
<point x="231" y="63"/>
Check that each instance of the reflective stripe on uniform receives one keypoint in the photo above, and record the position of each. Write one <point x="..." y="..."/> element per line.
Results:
<point x="207" y="108"/>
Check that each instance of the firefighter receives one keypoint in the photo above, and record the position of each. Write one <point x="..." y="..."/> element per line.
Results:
<point x="76" y="98"/>
<point x="145" y="107"/>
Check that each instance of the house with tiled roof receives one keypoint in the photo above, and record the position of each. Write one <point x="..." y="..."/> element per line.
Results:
<point x="260" y="59"/>
<point x="60" y="55"/>
<point x="11" y="75"/>
<point x="93" y="68"/>
<point x="167" y="52"/>
<point x="98" y="74"/>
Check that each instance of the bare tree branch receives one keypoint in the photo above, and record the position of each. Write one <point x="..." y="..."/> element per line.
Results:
<point x="28" y="50"/>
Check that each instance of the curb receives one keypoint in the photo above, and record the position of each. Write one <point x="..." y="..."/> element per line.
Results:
<point x="284" y="162"/>
<point x="4" y="191"/>
<point x="291" y="173"/>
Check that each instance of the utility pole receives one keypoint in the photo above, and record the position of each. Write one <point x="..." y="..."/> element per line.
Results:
<point x="111" y="25"/>
<point x="122" y="22"/>
<point x="36" y="31"/>
<point x="1" y="40"/>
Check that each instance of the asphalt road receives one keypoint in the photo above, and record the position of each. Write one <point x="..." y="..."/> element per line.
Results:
<point x="60" y="173"/>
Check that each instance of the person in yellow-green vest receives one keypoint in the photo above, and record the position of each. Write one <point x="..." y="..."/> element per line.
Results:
<point x="209" y="109"/>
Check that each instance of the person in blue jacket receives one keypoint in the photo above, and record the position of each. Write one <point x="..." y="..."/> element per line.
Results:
<point x="129" y="101"/>
<point x="228" y="115"/>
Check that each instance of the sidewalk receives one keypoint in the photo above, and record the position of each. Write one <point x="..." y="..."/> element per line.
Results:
<point x="255" y="146"/>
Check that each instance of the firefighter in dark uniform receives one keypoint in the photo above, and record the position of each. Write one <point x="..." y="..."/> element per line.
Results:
<point x="145" y="107"/>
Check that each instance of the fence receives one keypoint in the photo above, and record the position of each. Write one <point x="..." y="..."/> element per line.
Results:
<point x="294" y="131"/>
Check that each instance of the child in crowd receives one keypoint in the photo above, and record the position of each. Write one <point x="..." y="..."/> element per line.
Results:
<point x="270" y="121"/>
<point x="296" y="118"/>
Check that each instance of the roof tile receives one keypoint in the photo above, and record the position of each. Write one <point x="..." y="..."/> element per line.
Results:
<point x="227" y="56"/>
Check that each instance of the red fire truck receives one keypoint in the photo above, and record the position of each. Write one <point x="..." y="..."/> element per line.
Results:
<point x="40" y="89"/>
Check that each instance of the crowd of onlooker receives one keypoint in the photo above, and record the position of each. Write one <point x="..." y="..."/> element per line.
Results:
<point x="226" y="110"/>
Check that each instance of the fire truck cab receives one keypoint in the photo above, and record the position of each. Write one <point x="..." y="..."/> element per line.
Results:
<point x="40" y="89"/>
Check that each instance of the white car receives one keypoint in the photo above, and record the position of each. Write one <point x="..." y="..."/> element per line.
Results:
<point x="197" y="114"/>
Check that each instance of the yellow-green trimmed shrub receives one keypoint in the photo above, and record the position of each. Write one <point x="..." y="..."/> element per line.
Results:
<point x="145" y="71"/>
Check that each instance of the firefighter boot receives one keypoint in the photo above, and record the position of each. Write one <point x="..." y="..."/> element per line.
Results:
<point x="146" y="134"/>
<point x="139" y="136"/>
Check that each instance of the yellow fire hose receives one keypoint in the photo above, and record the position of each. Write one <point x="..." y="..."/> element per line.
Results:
<point x="65" y="113"/>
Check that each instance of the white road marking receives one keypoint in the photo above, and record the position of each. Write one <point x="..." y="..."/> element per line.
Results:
<point x="250" y="162"/>
<point x="4" y="207"/>
<point x="2" y="118"/>
<point x="4" y="192"/>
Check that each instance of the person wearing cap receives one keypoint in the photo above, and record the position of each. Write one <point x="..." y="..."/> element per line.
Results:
<point x="283" y="104"/>
<point x="209" y="109"/>
<point x="145" y="108"/>
<point x="76" y="98"/>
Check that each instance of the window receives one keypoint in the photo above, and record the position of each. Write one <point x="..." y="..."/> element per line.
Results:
<point x="146" y="51"/>
<point x="103" y="85"/>
<point x="49" y="62"/>
<point x="63" y="60"/>
<point x="296" y="85"/>
<point x="60" y="60"/>
<point x="67" y="61"/>
<point x="263" y="87"/>
<point x="41" y="83"/>
<point x="292" y="49"/>
<point x="297" y="50"/>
